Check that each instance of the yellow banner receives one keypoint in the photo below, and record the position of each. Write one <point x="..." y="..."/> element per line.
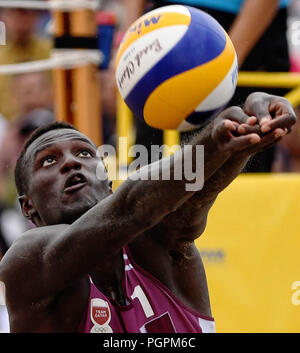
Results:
<point x="251" y="252"/>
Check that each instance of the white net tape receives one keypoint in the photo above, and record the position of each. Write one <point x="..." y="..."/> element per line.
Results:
<point x="62" y="59"/>
<point x="58" y="5"/>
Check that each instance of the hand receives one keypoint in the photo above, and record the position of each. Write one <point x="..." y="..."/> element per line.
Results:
<point x="275" y="117"/>
<point x="272" y="112"/>
<point x="225" y="131"/>
<point x="235" y="131"/>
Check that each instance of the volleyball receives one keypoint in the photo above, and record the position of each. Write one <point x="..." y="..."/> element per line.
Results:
<point x="176" y="68"/>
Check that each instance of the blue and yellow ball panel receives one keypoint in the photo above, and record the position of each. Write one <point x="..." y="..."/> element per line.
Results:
<point x="180" y="95"/>
<point x="178" y="65"/>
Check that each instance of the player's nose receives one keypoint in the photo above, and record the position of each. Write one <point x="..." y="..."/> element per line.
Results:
<point x="70" y="162"/>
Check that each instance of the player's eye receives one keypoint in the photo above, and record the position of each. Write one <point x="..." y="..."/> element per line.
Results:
<point x="46" y="162"/>
<point x="85" y="154"/>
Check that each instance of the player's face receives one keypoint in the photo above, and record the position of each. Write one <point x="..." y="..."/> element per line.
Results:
<point x="62" y="179"/>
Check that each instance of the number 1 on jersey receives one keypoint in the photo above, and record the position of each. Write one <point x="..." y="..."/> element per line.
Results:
<point x="141" y="296"/>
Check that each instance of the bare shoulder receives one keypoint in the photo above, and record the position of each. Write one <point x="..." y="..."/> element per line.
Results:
<point x="32" y="306"/>
<point x="22" y="263"/>
<point x="29" y="244"/>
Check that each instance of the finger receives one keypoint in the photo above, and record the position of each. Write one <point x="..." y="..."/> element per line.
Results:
<point x="224" y="129"/>
<point x="244" y="128"/>
<point x="281" y="106"/>
<point x="230" y="125"/>
<point x="248" y="129"/>
<point x="252" y="120"/>
<point x="242" y="142"/>
<point x="232" y="129"/>
<point x="265" y="120"/>
<point x="267" y="141"/>
<point x="260" y="109"/>
<point x="284" y="121"/>
<point x="277" y="133"/>
<point x="235" y="114"/>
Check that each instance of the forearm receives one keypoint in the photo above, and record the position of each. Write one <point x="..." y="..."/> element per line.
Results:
<point x="253" y="19"/>
<point x="189" y="221"/>
<point x="178" y="177"/>
<point x="219" y="181"/>
<point x="223" y="177"/>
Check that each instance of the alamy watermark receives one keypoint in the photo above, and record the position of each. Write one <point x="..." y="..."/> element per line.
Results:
<point x="183" y="164"/>
<point x="2" y="33"/>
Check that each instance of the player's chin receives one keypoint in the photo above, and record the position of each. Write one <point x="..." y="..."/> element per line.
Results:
<point x="70" y="213"/>
<point x="79" y="202"/>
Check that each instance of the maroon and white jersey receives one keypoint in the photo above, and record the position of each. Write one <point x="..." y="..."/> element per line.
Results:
<point x="151" y="308"/>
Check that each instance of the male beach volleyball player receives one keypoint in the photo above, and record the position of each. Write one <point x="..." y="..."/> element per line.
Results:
<point x="126" y="261"/>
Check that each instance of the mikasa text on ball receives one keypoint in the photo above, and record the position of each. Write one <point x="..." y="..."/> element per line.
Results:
<point x="176" y="67"/>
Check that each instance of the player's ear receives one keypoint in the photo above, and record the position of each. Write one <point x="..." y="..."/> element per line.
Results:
<point x="27" y="207"/>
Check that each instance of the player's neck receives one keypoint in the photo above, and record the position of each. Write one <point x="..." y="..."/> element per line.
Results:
<point x="108" y="279"/>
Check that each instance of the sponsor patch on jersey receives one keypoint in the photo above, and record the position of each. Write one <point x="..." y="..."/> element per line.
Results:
<point x="100" y="316"/>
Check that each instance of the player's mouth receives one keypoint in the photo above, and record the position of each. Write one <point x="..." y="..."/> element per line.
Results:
<point x="75" y="182"/>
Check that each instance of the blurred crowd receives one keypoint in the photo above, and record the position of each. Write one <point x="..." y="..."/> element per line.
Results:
<point x="26" y="100"/>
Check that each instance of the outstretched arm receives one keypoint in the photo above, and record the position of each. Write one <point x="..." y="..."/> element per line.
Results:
<point x="189" y="221"/>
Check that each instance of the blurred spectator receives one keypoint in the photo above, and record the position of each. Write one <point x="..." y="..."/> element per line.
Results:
<point x="258" y="31"/>
<point x="22" y="44"/>
<point x="32" y="91"/>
